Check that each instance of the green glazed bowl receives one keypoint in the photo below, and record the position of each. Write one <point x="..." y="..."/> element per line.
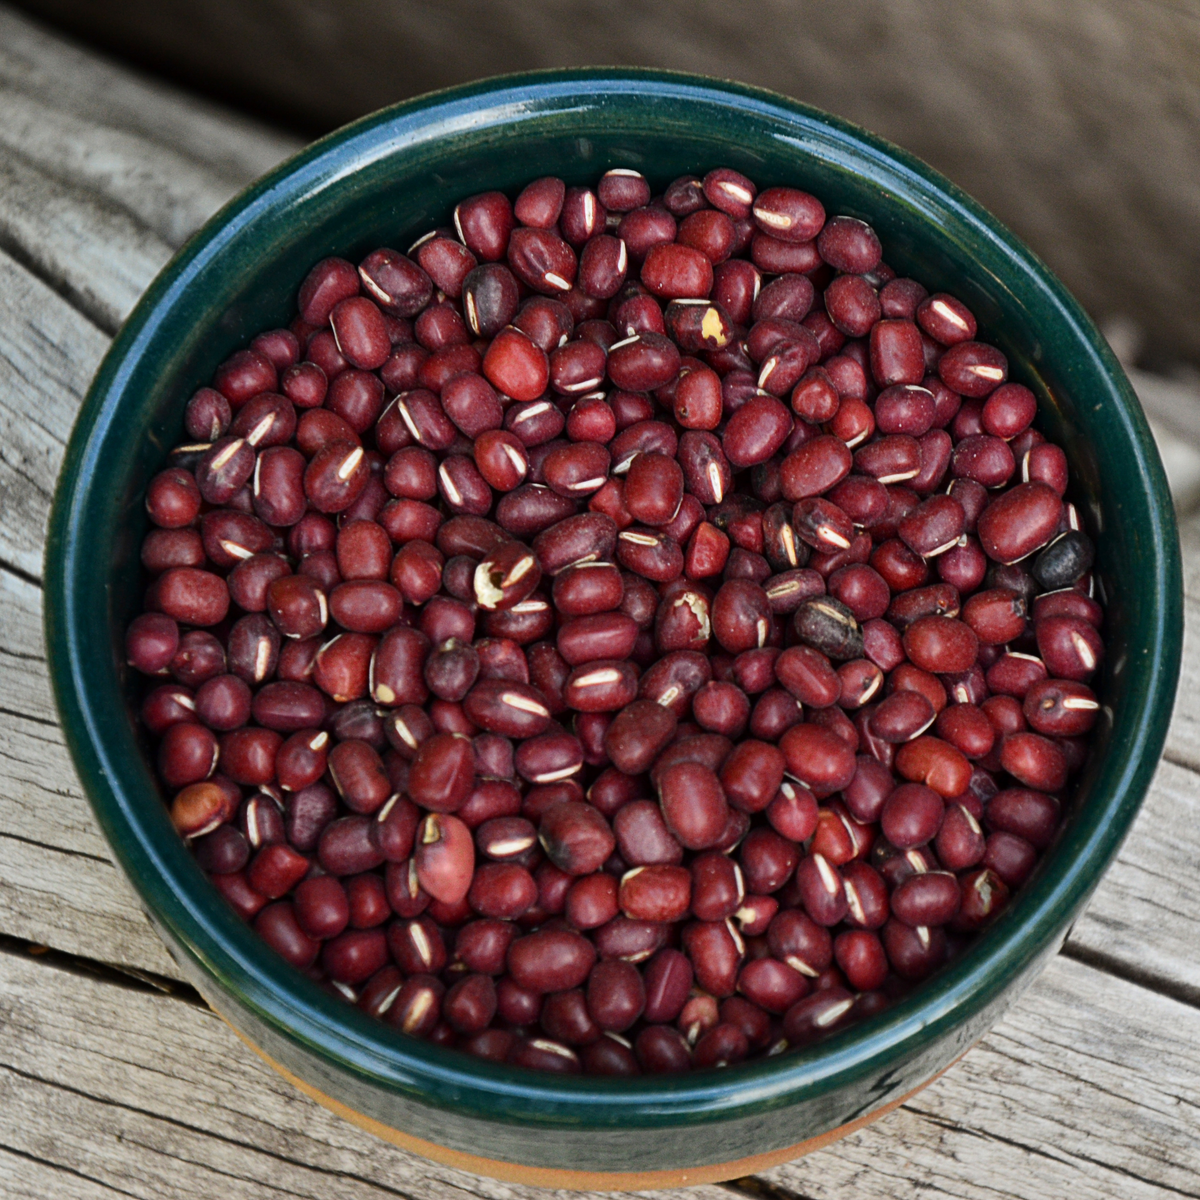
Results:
<point x="384" y="181"/>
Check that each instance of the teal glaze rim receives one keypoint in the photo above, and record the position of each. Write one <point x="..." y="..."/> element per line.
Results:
<point x="100" y="740"/>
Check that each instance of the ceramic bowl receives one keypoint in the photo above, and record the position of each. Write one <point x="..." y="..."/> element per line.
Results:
<point x="384" y="181"/>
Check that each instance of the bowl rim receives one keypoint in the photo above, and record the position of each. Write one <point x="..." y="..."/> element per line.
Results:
<point x="223" y="947"/>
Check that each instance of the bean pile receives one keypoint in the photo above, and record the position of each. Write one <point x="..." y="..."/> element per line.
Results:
<point x="623" y="634"/>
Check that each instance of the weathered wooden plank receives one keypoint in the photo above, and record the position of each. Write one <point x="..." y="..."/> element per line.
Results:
<point x="81" y="83"/>
<point x="155" y="1096"/>
<point x="48" y="354"/>
<point x="24" y="684"/>
<point x="1181" y="461"/>
<point x="1174" y="404"/>
<point x="1089" y="1088"/>
<point x="1183" y="738"/>
<point x="168" y="191"/>
<point x="29" y="1178"/>
<point x="1144" y="919"/>
<point x="77" y="904"/>
<point x="85" y="246"/>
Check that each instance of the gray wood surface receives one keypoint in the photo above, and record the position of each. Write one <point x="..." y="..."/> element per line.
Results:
<point x="1091" y="1087"/>
<point x="1073" y="120"/>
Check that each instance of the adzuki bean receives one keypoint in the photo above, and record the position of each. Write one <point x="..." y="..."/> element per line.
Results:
<point x="621" y="634"/>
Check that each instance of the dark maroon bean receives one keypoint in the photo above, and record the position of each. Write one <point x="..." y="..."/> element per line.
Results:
<point x="516" y="366"/>
<point x="484" y="223"/>
<point x="223" y="703"/>
<point x="718" y="889"/>
<point x="616" y="996"/>
<point x="151" y="643"/>
<point x="913" y="952"/>
<point x="541" y="260"/>
<point x="897" y="358"/>
<point x="270" y="419"/>
<point x="821" y="890"/>
<point x="482" y="946"/>
<point x="729" y="191"/>
<point x="451" y="669"/>
<point x="912" y="815"/>
<point x="946" y="319"/>
<point x="446" y="261"/>
<point x="693" y="804"/>
<point x="576" y="837"/>
<point x="167" y="705"/>
<point x="721" y="708"/>
<point x="277" y="926"/>
<point x="973" y="369"/>
<point x="611" y="1055"/>
<point x="331" y="280"/>
<point x="504" y="891"/>
<point x="565" y="1018"/>
<point x="551" y="960"/>
<point x="417" y="1005"/>
<point x="716" y="950"/>
<point x="207" y="415"/>
<point x="1019" y="522"/>
<point x="442" y="772"/>
<point x="675" y="271"/>
<point x="767" y="861"/>
<point x="163" y="549"/>
<point x="800" y="942"/>
<point x="927" y="899"/>
<point x="540" y="202"/>
<point x="660" y="1049"/>
<point x="355" y="955"/>
<point x="592" y="901"/>
<point x="643" y="838"/>
<point x="588" y="537"/>
<point x="637" y="734"/>
<point x="720" y="1047"/>
<point x="275" y="869"/>
<point x="772" y="985"/>
<point x="1070" y="646"/>
<point x="470" y="1004"/>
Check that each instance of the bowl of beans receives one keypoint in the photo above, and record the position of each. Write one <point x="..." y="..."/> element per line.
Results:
<point x="613" y="620"/>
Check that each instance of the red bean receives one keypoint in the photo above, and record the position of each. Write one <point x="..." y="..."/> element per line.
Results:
<point x="973" y="369"/>
<point x="551" y="960"/>
<point x="1070" y="646"/>
<point x="445" y="857"/>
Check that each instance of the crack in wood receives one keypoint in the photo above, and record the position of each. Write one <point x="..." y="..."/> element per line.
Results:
<point x="130" y="978"/>
<point x="57" y="1166"/>
<point x="9" y="836"/>
<point x="92" y="312"/>
<point x="1142" y="976"/>
<point x="199" y="1130"/>
<point x="761" y="1189"/>
<point x="20" y="573"/>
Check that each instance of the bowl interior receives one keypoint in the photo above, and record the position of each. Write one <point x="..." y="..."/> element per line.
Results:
<point x="386" y="181"/>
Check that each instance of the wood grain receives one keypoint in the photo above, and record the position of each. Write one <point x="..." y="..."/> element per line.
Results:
<point x="154" y="1096"/>
<point x="1089" y="1089"/>
<point x="1073" y="120"/>
<point x="79" y="83"/>
<point x="48" y="354"/>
